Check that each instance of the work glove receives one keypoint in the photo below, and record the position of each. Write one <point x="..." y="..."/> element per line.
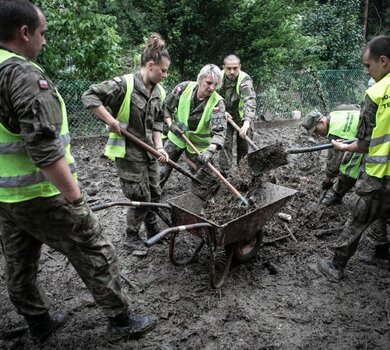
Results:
<point x="205" y="157"/>
<point x="327" y="184"/>
<point x="176" y="130"/>
<point x="82" y="215"/>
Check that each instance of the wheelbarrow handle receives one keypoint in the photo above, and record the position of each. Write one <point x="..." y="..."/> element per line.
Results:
<point x="153" y="240"/>
<point x="235" y="126"/>
<point x="217" y="173"/>
<point x="315" y="148"/>
<point x="102" y="206"/>
<point x="155" y="153"/>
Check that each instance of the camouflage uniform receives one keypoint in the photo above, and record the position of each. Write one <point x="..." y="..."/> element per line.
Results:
<point x="138" y="170"/>
<point x="370" y="204"/>
<point x="229" y="92"/>
<point x="217" y="125"/>
<point x="29" y="106"/>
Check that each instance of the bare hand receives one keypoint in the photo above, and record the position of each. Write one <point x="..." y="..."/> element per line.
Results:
<point x="244" y="128"/>
<point x="164" y="157"/>
<point x="114" y="127"/>
<point x="338" y="145"/>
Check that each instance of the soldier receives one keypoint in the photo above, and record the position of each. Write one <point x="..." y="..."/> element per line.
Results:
<point x="340" y="124"/>
<point x="196" y="109"/>
<point x="136" y="102"/>
<point x="371" y="200"/>
<point x="240" y="98"/>
<point x="40" y="201"/>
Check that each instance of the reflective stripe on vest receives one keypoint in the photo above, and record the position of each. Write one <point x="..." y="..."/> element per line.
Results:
<point x="116" y="144"/>
<point x="377" y="161"/>
<point x="344" y="124"/>
<point x="201" y="137"/>
<point x="20" y="179"/>
<point x="351" y="169"/>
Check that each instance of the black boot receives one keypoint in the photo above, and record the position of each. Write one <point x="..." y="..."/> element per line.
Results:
<point x="131" y="325"/>
<point x="151" y="228"/>
<point x="382" y="252"/>
<point x="133" y="240"/>
<point x="332" y="198"/>
<point x="42" y="326"/>
<point x="332" y="269"/>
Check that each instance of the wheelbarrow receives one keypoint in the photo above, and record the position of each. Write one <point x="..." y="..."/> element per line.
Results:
<point x="242" y="232"/>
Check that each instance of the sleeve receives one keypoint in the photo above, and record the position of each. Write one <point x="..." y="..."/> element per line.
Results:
<point x="218" y="124"/>
<point x="172" y="100"/>
<point x="367" y="123"/>
<point x="38" y="110"/>
<point x="248" y="95"/>
<point x="108" y="93"/>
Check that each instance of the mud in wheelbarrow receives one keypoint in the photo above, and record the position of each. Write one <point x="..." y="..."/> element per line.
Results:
<point x="187" y="217"/>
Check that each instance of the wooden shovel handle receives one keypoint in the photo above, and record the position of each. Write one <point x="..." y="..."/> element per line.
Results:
<point x="216" y="172"/>
<point x="235" y="126"/>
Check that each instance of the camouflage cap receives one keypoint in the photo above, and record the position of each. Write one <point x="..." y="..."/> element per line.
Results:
<point x="311" y="120"/>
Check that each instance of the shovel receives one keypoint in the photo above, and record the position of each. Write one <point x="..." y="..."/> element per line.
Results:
<point x="155" y="153"/>
<point x="217" y="173"/>
<point x="261" y="160"/>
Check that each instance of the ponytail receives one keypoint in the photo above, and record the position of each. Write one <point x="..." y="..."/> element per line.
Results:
<point x="154" y="50"/>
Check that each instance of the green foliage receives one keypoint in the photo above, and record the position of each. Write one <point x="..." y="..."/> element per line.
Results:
<point x="81" y="43"/>
<point x="336" y="29"/>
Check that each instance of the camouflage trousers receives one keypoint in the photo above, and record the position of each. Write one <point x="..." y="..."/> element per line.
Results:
<point x="174" y="153"/>
<point x="343" y="184"/>
<point x="142" y="183"/>
<point x="370" y="209"/>
<point x="27" y="225"/>
<point x="226" y="154"/>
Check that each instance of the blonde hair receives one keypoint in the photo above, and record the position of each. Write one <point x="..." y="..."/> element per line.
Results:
<point x="154" y="50"/>
<point x="213" y="70"/>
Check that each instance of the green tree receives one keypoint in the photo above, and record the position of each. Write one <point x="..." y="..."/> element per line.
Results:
<point x="335" y="26"/>
<point x="81" y="43"/>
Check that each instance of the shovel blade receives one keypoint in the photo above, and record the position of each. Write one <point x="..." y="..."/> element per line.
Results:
<point x="266" y="158"/>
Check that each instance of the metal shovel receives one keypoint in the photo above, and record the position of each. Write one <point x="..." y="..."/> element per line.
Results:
<point x="261" y="160"/>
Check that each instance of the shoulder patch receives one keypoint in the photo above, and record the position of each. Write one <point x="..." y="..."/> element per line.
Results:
<point x="43" y="84"/>
<point x="178" y="89"/>
<point x="215" y="109"/>
<point x="117" y="79"/>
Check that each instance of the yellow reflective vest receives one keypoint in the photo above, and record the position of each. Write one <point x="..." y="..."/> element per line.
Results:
<point x="377" y="161"/>
<point x="344" y="124"/>
<point x="20" y="179"/>
<point x="116" y="144"/>
<point x="201" y="137"/>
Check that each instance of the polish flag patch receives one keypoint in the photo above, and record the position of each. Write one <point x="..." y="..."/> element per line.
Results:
<point x="178" y="89"/>
<point x="43" y="84"/>
<point x="215" y="109"/>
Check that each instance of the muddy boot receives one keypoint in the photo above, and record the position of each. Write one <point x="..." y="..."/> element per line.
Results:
<point x="375" y="255"/>
<point x="40" y="327"/>
<point x="152" y="229"/>
<point x="131" y="325"/>
<point x="331" y="199"/>
<point x="133" y="240"/>
<point x="332" y="269"/>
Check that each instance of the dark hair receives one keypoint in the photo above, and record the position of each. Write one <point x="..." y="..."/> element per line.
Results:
<point x="15" y="14"/>
<point x="379" y="46"/>
<point x="154" y="50"/>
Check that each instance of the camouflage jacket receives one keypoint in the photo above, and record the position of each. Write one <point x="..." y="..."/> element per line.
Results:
<point x="29" y="106"/>
<point x="146" y="112"/>
<point x="229" y="92"/>
<point x="217" y="123"/>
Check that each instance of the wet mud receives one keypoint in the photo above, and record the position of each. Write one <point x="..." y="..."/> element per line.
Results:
<point x="278" y="300"/>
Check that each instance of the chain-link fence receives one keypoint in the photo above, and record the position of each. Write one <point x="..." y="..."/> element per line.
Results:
<point x="294" y="91"/>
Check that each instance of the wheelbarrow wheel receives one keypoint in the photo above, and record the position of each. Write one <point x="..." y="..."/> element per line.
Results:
<point x="246" y="250"/>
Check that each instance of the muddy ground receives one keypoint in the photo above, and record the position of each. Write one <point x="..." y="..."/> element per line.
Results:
<point x="277" y="301"/>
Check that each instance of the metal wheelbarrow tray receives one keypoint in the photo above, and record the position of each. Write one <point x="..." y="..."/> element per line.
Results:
<point x="186" y="215"/>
